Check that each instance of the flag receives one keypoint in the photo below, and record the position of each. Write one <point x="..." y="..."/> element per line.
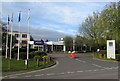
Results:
<point x="28" y="15"/>
<point x="8" y="19"/>
<point x="19" y="18"/>
<point x="12" y="18"/>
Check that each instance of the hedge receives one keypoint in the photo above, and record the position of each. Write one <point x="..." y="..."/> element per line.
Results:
<point x="37" y="53"/>
<point x="103" y="51"/>
<point x="118" y="57"/>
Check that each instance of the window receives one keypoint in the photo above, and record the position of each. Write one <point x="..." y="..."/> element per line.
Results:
<point x="24" y="35"/>
<point x="16" y="35"/>
<point x="24" y="42"/>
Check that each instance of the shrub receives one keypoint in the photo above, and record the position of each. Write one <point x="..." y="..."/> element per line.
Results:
<point x="37" y="57"/>
<point x="37" y="53"/>
<point x="23" y="55"/>
<point x="33" y="49"/>
<point x="103" y="51"/>
<point x="118" y="57"/>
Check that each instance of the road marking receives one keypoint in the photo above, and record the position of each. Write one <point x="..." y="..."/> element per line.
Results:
<point x="79" y="71"/>
<point x="61" y="73"/>
<point x="80" y="60"/>
<point x="70" y="72"/>
<point x="88" y="70"/>
<point x="95" y="70"/>
<point x="102" y="69"/>
<point x="31" y="71"/>
<point x="97" y="65"/>
<point x="39" y="75"/>
<point x="50" y="74"/>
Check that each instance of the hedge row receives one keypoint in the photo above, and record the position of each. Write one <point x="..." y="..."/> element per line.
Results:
<point x="118" y="57"/>
<point x="23" y="53"/>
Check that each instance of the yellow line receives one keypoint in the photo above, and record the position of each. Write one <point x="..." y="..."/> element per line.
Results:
<point x="31" y="71"/>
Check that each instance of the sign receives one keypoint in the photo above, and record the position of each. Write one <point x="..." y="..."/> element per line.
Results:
<point x="39" y="42"/>
<point x="111" y="49"/>
<point x="26" y="62"/>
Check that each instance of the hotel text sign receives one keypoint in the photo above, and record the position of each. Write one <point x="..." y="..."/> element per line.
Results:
<point x="111" y="49"/>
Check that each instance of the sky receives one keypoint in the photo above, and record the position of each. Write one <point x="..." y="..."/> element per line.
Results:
<point x="50" y="20"/>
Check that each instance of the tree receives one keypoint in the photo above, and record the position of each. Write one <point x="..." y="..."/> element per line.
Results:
<point x="103" y="26"/>
<point x="68" y="41"/>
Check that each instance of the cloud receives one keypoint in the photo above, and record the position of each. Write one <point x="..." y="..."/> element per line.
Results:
<point x="39" y="33"/>
<point x="59" y="0"/>
<point x="51" y="18"/>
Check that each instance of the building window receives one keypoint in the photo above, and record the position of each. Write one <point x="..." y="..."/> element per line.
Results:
<point x="24" y="35"/>
<point x="24" y="42"/>
<point x="16" y="35"/>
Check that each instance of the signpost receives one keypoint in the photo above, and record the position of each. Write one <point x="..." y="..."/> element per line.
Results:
<point x="111" y="49"/>
<point x="39" y="42"/>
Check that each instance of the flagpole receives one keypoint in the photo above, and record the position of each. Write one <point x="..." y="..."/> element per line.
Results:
<point x="7" y="38"/>
<point x="28" y="35"/>
<point x="11" y="37"/>
<point x="18" y="42"/>
<point x="19" y="37"/>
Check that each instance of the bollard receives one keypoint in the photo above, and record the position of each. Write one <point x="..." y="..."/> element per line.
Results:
<point x="73" y="54"/>
<point x="69" y="54"/>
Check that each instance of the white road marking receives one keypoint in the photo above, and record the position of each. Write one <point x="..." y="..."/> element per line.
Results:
<point x="88" y="70"/>
<point x="80" y="60"/>
<point x="39" y="75"/>
<point x="50" y="74"/>
<point x="79" y="71"/>
<point x="95" y="70"/>
<point x="61" y="73"/>
<point x="102" y="69"/>
<point x="97" y="65"/>
<point x="70" y="72"/>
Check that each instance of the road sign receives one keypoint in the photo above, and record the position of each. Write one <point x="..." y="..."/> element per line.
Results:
<point x="111" y="49"/>
<point x="39" y="42"/>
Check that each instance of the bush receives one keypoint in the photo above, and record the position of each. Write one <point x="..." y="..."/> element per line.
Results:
<point x="37" y="57"/>
<point x="23" y="55"/>
<point x="33" y="49"/>
<point x="37" y="53"/>
<point x="103" y="51"/>
<point x="118" y="57"/>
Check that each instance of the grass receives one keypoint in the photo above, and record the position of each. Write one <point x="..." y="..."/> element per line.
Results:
<point x="102" y="58"/>
<point x="19" y="65"/>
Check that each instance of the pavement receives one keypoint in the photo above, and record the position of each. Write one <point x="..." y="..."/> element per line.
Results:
<point x="83" y="66"/>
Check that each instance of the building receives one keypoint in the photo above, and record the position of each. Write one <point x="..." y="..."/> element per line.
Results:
<point x="49" y="46"/>
<point x="23" y="38"/>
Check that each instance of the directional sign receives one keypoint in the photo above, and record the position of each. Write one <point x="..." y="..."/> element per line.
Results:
<point x="111" y="49"/>
<point x="38" y="42"/>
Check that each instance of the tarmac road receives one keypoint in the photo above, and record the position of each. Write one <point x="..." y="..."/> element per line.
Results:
<point x="83" y="66"/>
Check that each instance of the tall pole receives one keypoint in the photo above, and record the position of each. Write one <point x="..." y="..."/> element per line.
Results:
<point x="19" y="36"/>
<point x="19" y="43"/>
<point x="7" y="37"/>
<point x="11" y="37"/>
<point x="28" y="35"/>
<point x="73" y="44"/>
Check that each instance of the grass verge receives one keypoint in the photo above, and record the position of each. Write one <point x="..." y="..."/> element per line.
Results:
<point x="102" y="58"/>
<point x="20" y="65"/>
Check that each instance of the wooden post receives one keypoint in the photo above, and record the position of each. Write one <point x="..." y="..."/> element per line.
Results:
<point x="37" y="62"/>
<point x="9" y="64"/>
<point x="26" y="64"/>
<point x="105" y="56"/>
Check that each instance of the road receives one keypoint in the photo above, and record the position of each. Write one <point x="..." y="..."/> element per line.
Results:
<point x="83" y="66"/>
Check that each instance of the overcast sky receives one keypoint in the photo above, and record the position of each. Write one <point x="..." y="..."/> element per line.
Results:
<point x="51" y="20"/>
